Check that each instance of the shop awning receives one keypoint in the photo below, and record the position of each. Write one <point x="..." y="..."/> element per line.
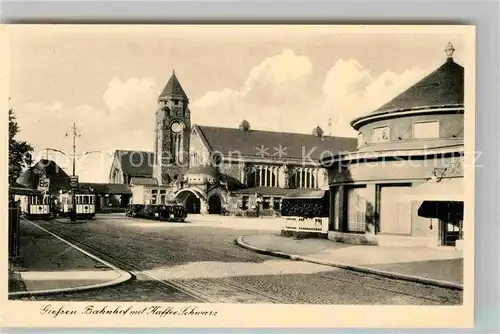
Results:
<point x="442" y="210"/>
<point x="444" y="190"/>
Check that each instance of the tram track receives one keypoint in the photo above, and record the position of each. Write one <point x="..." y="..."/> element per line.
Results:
<point x="235" y="290"/>
<point x="205" y="292"/>
<point x="358" y="279"/>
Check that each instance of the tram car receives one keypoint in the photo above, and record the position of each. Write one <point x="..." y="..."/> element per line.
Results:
<point x="84" y="201"/>
<point x="37" y="206"/>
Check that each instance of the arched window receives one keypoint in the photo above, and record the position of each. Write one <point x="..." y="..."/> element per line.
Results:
<point x="177" y="145"/>
<point x="302" y="179"/>
<point x="116" y="176"/>
<point x="261" y="177"/>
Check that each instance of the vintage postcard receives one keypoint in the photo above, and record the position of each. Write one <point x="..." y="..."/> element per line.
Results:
<point x="238" y="176"/>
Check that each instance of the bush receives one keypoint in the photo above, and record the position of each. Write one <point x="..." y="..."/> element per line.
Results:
<point x="251" y="214"/>
<point x="305" y="207"/>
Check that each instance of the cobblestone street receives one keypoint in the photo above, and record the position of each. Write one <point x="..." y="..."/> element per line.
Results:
<point x="195" y="262"/>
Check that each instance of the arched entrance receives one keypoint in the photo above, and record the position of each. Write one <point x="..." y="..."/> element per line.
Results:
<point x="215" y="204"/>
<point x="192" y="203"/>
<point x="190" y="200"/>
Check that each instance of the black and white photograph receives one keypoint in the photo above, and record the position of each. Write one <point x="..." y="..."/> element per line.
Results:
<point x="161" y="173"/>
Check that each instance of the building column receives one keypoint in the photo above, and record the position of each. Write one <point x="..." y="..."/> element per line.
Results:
<point x="242" y="174"/>
<point x="301" y="176"/>
<point x="266" y="169"/>
<point x="331" y="209"/>
<point x="281" y="178"/>
<point x="342" y="209"/>
<point x="309" y="177"/>
<point x="271" y="173"/>
<point x="296" y="177"/>
<point x="260" y="176"/>
<point x="304" y="177"/>
<point x="275" y="173"/>
<point x="256" y="170"/>
<point x="371" y="216"/>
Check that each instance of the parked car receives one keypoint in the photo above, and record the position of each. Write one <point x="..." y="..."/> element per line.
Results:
<point x="135" y="210"/>
<point x="171" y="211"/>
<point x="150" y="212"/>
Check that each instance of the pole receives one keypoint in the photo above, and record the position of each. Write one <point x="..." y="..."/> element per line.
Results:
<point x="73" y="213"/>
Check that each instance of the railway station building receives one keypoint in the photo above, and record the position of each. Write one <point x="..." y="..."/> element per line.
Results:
<point x="238" y="170"/>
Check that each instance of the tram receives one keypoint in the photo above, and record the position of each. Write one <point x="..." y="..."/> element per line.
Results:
<point x="84" y="203"/>
<point x="37" y="206"/>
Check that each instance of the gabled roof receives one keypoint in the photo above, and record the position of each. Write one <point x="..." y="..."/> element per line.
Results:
<point x="173" y="88"/>
<point x="443" y="87"/>
<point x="255" y="142"/>
<point x="59" y="180"/>
<point x="136" y="163"/>
<point x="52" y="170"/>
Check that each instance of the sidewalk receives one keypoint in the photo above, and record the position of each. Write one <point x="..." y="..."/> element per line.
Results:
<point x="241" y="223"/>
<point x="49" y="265"/>
<point x="68" y="221"/>
<point x="425" y="265"/>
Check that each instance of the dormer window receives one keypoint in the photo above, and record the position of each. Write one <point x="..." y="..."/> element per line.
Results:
<point x="381" y="134"/>
<point x="422" y="130"/>
<point x="176" y="102"/>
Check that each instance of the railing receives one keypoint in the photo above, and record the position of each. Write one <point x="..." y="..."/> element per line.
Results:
<point x="299" y="224"/>
<point x="14" y="216"/>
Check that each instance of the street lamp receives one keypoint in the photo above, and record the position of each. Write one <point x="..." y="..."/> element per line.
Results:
<point x="74" y="159"/>
<point x="73" y="186"/>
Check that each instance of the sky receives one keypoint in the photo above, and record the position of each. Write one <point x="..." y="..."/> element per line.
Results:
<point x="107" y="80"/>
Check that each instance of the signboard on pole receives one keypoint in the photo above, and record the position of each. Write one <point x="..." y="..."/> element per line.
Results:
<point x="73" y="181"/>
<point x="43" y="184"/>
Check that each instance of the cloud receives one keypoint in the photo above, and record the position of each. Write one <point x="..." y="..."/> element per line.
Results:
<point x="351" y="91"/>
<point x="277" y="80"/>
<point x="120" y="95"/>
<point x="277" y="96"/>
<point x="125" y="122"/>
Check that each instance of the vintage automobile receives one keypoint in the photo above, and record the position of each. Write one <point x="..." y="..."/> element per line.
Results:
<point x="135" y="210"/>
<point x="171" y="211"/>
<point x="149" y="211"/>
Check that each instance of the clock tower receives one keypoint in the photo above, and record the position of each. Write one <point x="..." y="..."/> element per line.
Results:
<point x="172" y="129"/>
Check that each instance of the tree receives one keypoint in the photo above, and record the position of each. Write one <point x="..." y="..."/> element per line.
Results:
<point x="19" y="151"/>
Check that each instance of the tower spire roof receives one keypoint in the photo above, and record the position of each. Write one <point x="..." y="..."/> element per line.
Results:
<point x="173" y="88"/>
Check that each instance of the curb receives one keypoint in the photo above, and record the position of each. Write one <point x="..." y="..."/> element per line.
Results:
<point x="123" y="275"/>
<point x="444" y="284"/>
<point x="69" y="221"/>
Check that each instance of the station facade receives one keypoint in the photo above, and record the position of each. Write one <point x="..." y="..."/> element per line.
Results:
<point x="240" y="171"/>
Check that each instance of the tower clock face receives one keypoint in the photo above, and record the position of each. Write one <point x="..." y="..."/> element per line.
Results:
<point x="177" y="127"/>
